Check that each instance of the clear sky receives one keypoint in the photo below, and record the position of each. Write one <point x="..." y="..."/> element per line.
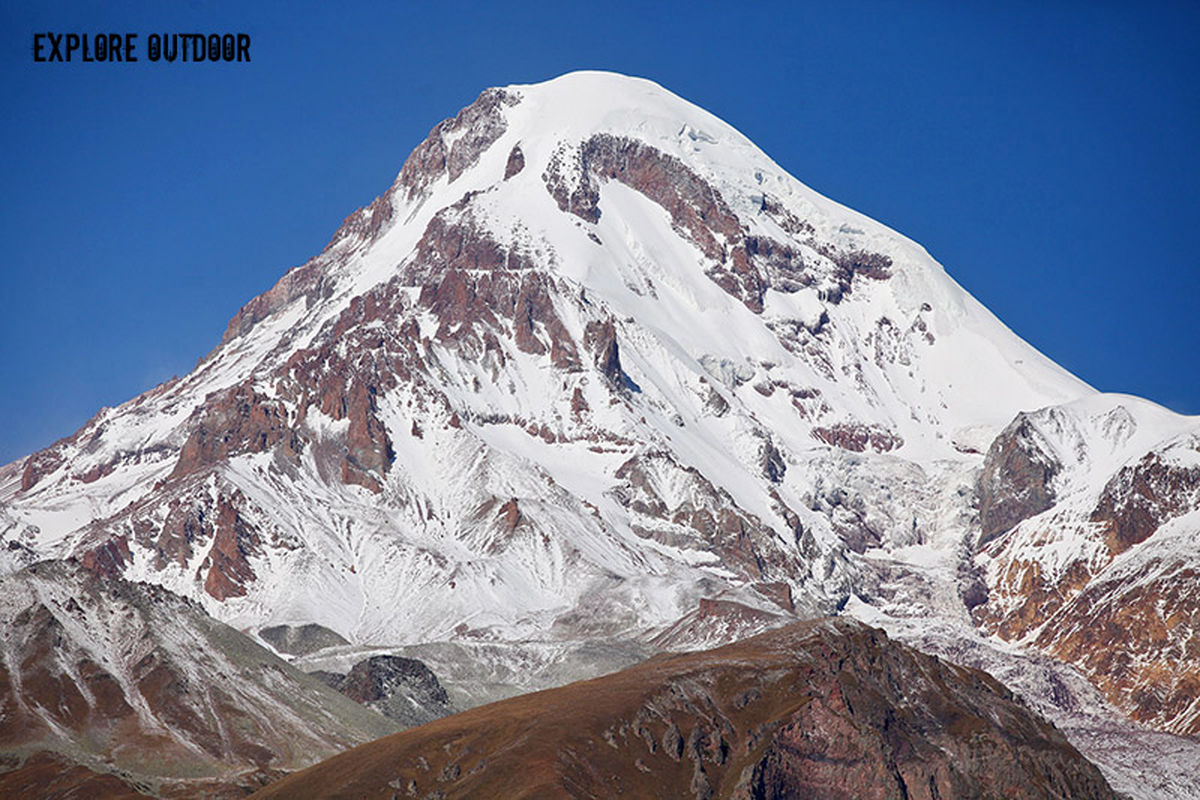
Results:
<point x="1046" y="153"/>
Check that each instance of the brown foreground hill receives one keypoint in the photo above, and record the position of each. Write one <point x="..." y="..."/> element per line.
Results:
<point x="50" y="776"/>
<point x="828" y="709"/>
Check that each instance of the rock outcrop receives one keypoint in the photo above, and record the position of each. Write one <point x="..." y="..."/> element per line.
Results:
<point x="1017" y="479"/>
<point x="402" y="689"/>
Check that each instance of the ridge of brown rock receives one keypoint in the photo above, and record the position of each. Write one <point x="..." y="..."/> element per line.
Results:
<point x="1122" y="606"/>
<point x="824" y="708"/>
<point x="1141" y="497"/>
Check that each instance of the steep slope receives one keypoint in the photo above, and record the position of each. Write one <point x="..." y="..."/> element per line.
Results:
<point x="129" y="678"/>
<point x="595" y="369"/>
<point x="827" y="709"/>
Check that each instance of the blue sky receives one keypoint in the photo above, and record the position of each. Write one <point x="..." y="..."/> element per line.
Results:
<point x="1046" y="154"/>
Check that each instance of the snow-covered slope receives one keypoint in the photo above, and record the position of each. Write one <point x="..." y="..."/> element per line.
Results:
<point x="591" y="360"/>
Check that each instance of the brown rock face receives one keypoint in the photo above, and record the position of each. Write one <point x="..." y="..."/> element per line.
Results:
<point x="1129" y="633"/>
<point x="477" y="126"/>
<point x="601" y="339"/>
<point x="510" y="514"/>
<point x="857" y="438"/>
<point x="782" y="261"/>
<point x="366" y="224"/>
<point x="236" y="421"/>
<point x="1016" y="480"/>
<point x="227" y="565"/>
<point x="1126" y="622"/>
<point x="478" y="289"/>
<point x="706" y="518"/>
<point x="38" y="465"/>
<point x="194" y="521"/>
<point x="1133" y="643"/>
<point x="770" y="461"/>
<point x="369" y="449"/>
<point x="818" y="709"/>
<point x="303" y="281"/>
<point x="1141" y="497"/>
<point x="108" y="559"/>
<point x="516" y="162"/>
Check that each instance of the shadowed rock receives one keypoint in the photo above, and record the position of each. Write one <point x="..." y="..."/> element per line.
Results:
<point x="1016" y="480"/>
<point x="403" y="689"/>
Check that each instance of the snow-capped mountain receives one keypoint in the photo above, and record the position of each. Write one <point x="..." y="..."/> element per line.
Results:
<point x="595" y="368"/>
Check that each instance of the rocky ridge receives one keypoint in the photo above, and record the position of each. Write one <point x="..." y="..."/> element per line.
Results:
<point x="132" y="680"/>
<point x="829" y="709"/>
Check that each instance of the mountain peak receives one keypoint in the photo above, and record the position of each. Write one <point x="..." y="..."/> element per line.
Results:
<point x="597" y="102"/>
<point x="594" y="368"/>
